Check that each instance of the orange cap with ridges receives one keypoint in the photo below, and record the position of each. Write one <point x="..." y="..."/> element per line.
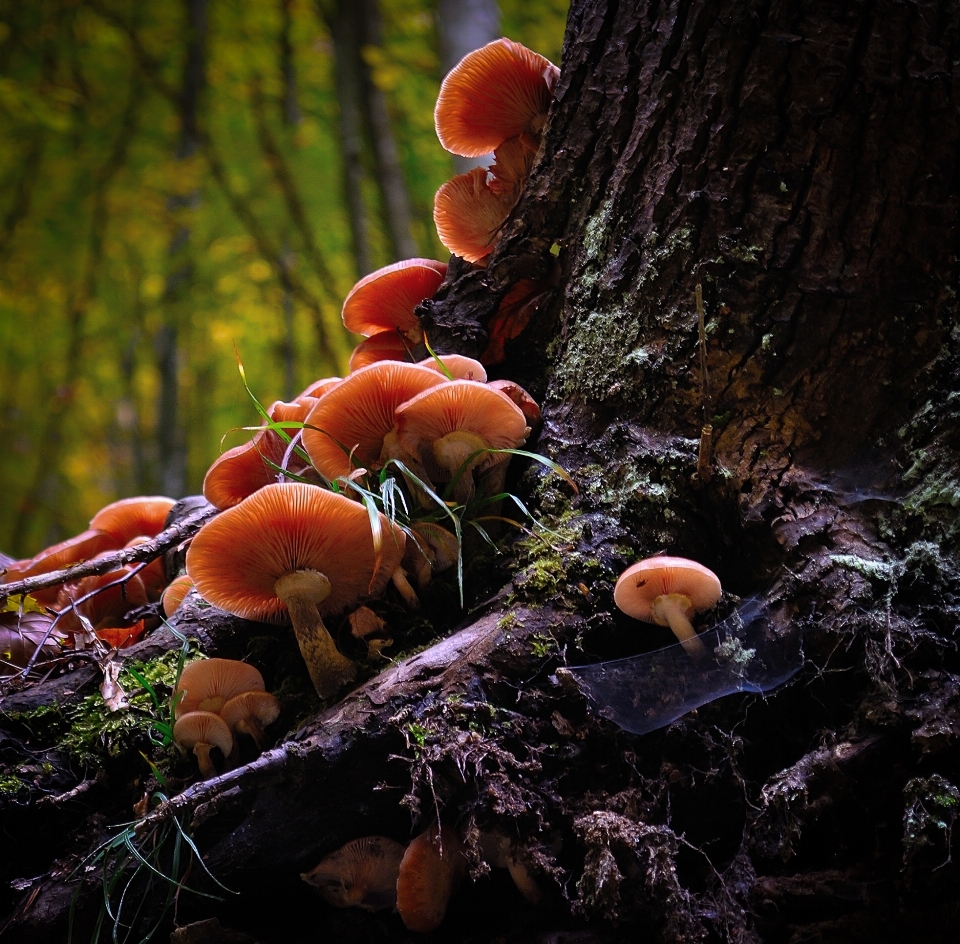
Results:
<point x="493" y="93"/>
<point x="386" y="299"/>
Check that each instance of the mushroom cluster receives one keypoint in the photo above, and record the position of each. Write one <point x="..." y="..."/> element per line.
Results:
<point x="214" y="701"/>
<point x="377" y="874"/>
<point x="302" y="551"/>
<point x="99" y="607"/>
<point x="417" y="881"/>
<point x="495" y="99"/>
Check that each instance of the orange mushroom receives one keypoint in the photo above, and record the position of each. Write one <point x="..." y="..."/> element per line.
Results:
<point x="386" y="300"/>
<point x="668" y="591"/>
<point x="249" y="713"/>
<point x="111" y="597"/>
<point x="296" y="552"/>
<point x="468" y="214"/>
<point x="207" y="684"/>
<point x="361" y="874"/>
<point x="174" y="595"/>
<point x="429" y="872"/>
<point x="494" y="93"/>
<point x="348" y="426"/>
<point x="457" y="366"/>
<point x="454" y="426"/>
<point x="385" y="346"/>
<point x="202" y="731"/>
<point x="132" y="517"/>
<point x="240" y="471"/>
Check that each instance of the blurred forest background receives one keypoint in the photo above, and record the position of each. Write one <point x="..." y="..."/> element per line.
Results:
<point x="183" y="179"/>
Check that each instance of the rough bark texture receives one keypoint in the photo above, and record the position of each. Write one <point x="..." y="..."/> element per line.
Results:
<point x="798" y="161"/>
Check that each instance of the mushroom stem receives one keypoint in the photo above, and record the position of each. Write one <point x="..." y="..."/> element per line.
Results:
<point x="671" y="610"/>
<point x="251" y="726"/>
<point x="202" y="751"/>
<point x="301" y="591"/>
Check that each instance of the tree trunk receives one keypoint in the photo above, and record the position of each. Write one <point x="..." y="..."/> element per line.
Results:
<point x="798" y="162"/>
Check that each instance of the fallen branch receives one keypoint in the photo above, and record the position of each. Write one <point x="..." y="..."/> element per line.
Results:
<point x="169" y="537"/>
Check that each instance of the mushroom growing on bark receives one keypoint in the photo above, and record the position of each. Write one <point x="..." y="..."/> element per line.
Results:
<point x="349" y="426"/>
<point x="668" y="591"/>
<point x="497" y="92"/>
<point x="361" y="874"/>
<point x="299" y="553"/>
<point x="386" y="300"/>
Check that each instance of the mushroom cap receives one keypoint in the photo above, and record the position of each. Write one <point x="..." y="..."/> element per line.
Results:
<point x="431" y="867"/>
<point x="493" y="93"/>
<point x="319" y="387"/>
<point x="130" y="517"/>
<point x="240" y="471"/>
<point x="203" y="727"/>
<point x="208" y="684"/>
<point x="355" y="417"/>
<point x="81" y="547"/>
<point x="236" y="559"/>
<point x="174" y="595"/>
<point x="519" y="396"/>
<point x="361" y="874"/>
<point x="458" y="366"/>
<point x="385" y="300"/>
<point x="259" y="705"/>
<point x="459" y="406"/>
<point x="640" y="585"/>
<point x="468" y="214"/>
<point x="385" y="346"/>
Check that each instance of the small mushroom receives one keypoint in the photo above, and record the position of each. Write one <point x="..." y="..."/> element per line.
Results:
<point x="386" y="346"/>
<point x="207" y="684"/>
<point x="249" y="713"/>
<point x="174" y="595"/>
<point x="431" y="868"/>
<point x="202" y="731"/>
<point x="501" y="853"/>
<point x="457" y="366"/>
<point x="668" y="591"/>
<point x="361" y="874"/>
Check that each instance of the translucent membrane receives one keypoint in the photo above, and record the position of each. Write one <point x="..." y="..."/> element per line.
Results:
<point x="747" y="653"/>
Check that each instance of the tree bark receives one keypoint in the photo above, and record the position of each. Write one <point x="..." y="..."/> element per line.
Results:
<point x="798" y="162"/>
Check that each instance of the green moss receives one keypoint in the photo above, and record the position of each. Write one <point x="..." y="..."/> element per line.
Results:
<point x="89" y="730"/>
<point x="541" y="645"/>
<point x="11" y="785"/>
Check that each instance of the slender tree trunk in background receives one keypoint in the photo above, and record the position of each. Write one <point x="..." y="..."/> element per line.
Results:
<point x="171" y="436"/>
<point x="292" y="115"/>
<point x="799" y="163"/>
<point x="462" y="26"/>
<point x="344" y="24"/>
<point x="47" y="481"/>
<point x="393" y="188"/>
